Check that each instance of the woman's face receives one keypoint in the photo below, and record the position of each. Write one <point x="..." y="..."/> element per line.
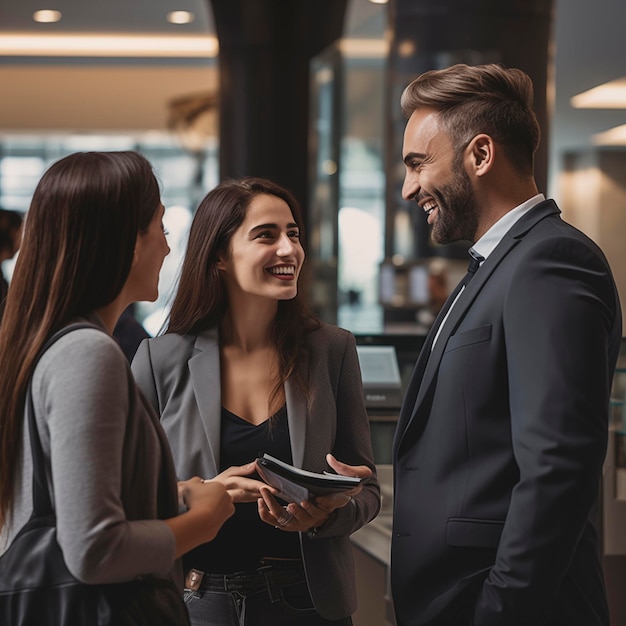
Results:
<point x="265" y="255"/>
<point x="150" y="250"/>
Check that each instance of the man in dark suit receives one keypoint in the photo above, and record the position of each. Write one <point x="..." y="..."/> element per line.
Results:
<point x="502" y="434"/>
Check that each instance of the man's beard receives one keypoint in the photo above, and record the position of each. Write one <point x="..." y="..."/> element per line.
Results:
<point x="457" y="215"/>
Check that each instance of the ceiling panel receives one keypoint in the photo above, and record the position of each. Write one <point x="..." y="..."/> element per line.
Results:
<point x="141" y="16"/>
<point x="96" y="98"/>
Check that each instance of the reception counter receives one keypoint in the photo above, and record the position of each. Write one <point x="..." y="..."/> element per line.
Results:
<point x="372" y="547"/>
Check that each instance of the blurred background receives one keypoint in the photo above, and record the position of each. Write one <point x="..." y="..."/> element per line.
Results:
<point x="307" y="92"/>
<point x="86" y="75"/>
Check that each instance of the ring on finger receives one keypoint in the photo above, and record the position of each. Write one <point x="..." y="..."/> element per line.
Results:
<point x="284" y="519"/>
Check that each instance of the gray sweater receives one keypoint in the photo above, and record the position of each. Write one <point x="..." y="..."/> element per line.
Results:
<point x="106" y="453"/>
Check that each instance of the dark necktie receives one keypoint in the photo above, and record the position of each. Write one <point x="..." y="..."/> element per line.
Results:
<point x="474" y="264"/>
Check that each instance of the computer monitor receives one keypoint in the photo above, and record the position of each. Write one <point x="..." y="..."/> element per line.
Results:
<point x="382" y="383"/>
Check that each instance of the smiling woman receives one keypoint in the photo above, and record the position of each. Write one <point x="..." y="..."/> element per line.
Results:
<point x="264" y="259"/>
<point x="244" y="368"/>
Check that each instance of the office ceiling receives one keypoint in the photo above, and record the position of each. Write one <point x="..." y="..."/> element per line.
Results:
<point x="126" y="93"/>
<point x="95" y="91"/>
<point x="117" y="94"/>
<point x="94" y="16"/>
<point x="590" y="49"/>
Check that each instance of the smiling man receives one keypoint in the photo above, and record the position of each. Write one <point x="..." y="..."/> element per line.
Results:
<point x="502" y="434"/>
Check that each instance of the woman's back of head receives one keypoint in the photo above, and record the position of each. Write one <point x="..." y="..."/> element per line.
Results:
<point x="82" y="224"/>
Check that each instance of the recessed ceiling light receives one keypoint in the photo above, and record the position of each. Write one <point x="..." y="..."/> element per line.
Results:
<point x="612" y="137"/>
<point x="611" y="95"/>
<point x="364" y="48"/>
<point x="47" y="16"/>
<point x="108" y="45"/>
<point x="379" y="1"/>
<point x="180" y="17"/>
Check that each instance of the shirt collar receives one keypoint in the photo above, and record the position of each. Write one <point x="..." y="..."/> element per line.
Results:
<point x="488" y="242"/>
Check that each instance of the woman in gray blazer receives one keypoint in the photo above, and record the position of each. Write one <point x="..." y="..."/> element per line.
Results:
<point x="93" y="243"/>
<point x="244" y="369"/>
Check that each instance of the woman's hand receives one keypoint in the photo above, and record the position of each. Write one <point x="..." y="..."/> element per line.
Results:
<point x="208" y="504"/>
<point x="313" y="513"/>
<point x="293" y="517"/>
<point x="240" y="488"/>
<point x="337" y="500"/>
<point x="197" y="495"/>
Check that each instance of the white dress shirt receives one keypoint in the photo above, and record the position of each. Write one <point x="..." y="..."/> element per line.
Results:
<point x="488" y="242"/>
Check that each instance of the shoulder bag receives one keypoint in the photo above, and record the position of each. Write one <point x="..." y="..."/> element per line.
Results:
<point x="37" y="589"/>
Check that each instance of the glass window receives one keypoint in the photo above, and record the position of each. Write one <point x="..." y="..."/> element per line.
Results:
<point x="184" y="178"/>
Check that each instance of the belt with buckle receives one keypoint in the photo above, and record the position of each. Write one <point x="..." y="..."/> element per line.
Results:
<point x="269" y="576"/>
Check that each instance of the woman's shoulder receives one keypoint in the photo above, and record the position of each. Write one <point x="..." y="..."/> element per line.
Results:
<point x="329" y="336"/>
<point x="82" y="354"/>
<point x="331" y="331"/>
<point x="170" y="340"/>
<point x="83" y="342"/>
<point x="172" y="346"/>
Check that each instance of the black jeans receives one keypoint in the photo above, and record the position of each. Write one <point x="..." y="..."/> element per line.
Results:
<point x="273" y="595"/>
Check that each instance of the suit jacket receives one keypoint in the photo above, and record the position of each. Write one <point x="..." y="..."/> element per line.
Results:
<point x="502" y="435"/>
<point x="180" y="375"/>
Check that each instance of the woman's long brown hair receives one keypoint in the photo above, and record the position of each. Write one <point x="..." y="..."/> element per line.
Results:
<point x="201" y="302"/>
<point x="77" y="249"/>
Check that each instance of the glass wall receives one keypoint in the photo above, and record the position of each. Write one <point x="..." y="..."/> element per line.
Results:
<point x="184" y="180"/>
<point x="347" y="204"/>
<point x="375" y="269"/>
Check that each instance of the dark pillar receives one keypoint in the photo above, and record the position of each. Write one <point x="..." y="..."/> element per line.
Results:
<point x="265" y="50"/>
<point x="433" y="34"/>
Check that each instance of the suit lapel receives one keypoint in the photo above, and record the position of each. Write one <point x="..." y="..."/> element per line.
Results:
<point x="427" y="366"/>
<point x="297" y="413"/>
<point x="204" y="368"/>
<point x="297" y="419"/>
<point x="409" y="401"/>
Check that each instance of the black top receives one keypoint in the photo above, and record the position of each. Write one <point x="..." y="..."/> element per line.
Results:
<point x="245" y="539"/>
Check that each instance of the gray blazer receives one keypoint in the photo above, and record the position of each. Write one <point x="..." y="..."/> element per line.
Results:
<point x="180" y="375"/>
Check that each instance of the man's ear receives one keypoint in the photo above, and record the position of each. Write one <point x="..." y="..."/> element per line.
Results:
<point x="481" y="154"/>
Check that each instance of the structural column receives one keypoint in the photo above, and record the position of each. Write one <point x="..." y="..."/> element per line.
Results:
<point x="265" y="48"/>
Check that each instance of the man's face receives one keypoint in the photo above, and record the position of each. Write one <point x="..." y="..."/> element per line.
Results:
<point x="435" y="177"/>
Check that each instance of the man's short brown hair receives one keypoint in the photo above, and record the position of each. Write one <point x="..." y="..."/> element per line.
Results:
<point x="478" y="99"/>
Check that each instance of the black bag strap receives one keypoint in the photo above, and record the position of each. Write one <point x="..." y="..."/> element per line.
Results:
<point x="42" y="504"/>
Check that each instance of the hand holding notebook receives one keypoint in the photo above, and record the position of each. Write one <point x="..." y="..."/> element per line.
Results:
<point x="297" y="485"/>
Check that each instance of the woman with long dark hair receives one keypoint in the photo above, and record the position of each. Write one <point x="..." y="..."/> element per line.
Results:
<point x="93" y="243"/>
<point x="245" y="368"/>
